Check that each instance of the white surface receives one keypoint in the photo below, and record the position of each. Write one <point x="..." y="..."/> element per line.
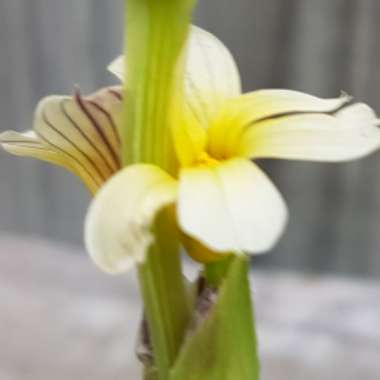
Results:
<point x="62" y="319"/>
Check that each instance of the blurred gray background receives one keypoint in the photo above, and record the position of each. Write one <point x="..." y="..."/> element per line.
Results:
<point x="317" y="46"/>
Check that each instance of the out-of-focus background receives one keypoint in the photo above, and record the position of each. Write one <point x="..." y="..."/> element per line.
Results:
<point x="320" y="47"/>
<point x="61" y="318"/>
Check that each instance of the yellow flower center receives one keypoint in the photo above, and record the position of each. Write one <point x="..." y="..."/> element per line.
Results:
<point x="204" y="159"/>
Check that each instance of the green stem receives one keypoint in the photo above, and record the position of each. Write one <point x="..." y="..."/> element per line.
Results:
<point x="215" y="272"/>
<point x="156" y="32"/>
<point x="166" y="303"/>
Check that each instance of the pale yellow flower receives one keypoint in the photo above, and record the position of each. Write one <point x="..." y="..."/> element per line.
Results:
<point x="224" y="202"/>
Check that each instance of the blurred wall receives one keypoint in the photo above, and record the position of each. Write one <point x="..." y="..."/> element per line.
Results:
<point x="317" y="46"/>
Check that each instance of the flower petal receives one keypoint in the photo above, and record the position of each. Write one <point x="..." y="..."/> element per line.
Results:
<point x="211" y="78"/>
<point x="118" y="223"/>
<point x="293" y="125"/>
<point x="348" y="134"/>
<point x="189" y="137"/>
<point x="231" y="206"/>
<point x="28" y="144"/>
<point x="245" y="112"/>
<point x="211" y="75"/>
<point x="116" y="67"/>
<point x="77" y="133"/>
<point x="262" y="104"/>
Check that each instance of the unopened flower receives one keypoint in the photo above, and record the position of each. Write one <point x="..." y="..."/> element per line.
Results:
<point x="223" y="201"/>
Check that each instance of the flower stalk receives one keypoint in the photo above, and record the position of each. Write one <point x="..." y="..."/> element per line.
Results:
<point x="164" y="295"/>
<point x="155" y="36"/>
<point x="215" y="272"/>
<point x="156" y="33"/>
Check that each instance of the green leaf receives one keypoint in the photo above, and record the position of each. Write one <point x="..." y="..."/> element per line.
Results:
<point x="224" y="346"/>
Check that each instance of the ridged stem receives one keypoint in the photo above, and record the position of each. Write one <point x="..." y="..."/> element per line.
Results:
<point x="156" y="32"/>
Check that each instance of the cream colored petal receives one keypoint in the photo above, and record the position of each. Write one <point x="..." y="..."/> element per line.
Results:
<point x="244" y="113"/>
<point x="350" y="133"/>
<point x="211" y="75"/>
<point x="118" y="223"/>
<point x="262" y="104"/>
<point x="27" y="144"/>
<point x="117" y="67"/>
<point x="231" y="206"/>
<point x="78" y="133"/>
<point x="105" y="106"/>
<point x="189" y="137"/>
